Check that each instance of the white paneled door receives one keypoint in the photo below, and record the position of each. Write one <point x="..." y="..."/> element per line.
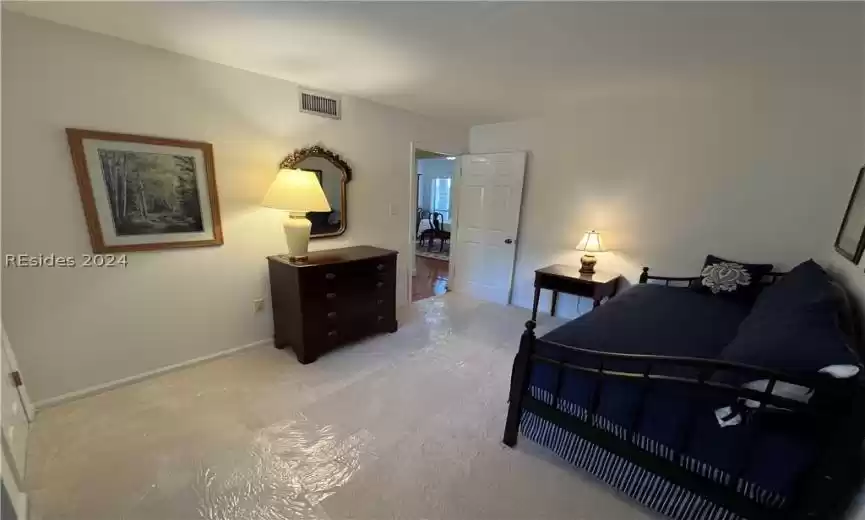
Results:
<point x="14" y="426"/>
<point x="490" y="189"/>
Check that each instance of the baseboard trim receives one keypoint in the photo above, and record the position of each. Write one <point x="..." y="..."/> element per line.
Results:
<point x="91" y="390"/>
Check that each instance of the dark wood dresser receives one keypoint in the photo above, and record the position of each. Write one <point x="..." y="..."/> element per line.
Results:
<point x="334" y="297"/>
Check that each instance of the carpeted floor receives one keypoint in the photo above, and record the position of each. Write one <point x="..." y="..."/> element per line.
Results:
<point x="401" y="426"/>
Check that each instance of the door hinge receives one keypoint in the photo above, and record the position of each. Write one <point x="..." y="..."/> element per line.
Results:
<point x="15" y="376"/>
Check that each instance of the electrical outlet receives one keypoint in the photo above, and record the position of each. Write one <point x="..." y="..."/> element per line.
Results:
<point x="258" y="304"/>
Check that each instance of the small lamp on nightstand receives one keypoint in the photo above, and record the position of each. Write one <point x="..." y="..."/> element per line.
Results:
<point x="296" y="192"/>
<point x="591" y="243"/>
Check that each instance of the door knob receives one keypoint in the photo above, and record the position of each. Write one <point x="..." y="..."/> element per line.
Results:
<point x="508" y="241"/>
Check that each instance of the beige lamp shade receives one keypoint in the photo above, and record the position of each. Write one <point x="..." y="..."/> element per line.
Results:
<point x="296" y="190"/>
<point x="591" y="242"/>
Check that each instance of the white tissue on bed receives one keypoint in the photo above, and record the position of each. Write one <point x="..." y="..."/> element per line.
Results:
<point x="797" y="392"/>
<point x="724" y="419"/>
<point x="781" y="389"/>
<point x="840" y="371"/>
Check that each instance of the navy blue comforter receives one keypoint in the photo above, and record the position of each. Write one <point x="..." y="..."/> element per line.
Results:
<point x="653" y="319"/>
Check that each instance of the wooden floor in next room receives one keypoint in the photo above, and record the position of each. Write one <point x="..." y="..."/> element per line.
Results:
<point x="430" y="279"/>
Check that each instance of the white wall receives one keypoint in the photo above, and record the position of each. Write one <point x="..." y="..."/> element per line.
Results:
<point x="74" y="328"/>
<point x="753" y="168"/>
<point x="852" y="275"/>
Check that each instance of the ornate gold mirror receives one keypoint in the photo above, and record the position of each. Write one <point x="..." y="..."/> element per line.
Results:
<point x="333" y="173"/>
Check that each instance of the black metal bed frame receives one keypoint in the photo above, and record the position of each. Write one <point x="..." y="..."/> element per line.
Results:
<point x="836" y="413"/>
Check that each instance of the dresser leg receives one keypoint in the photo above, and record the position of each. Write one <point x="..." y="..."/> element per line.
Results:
<point x="305" y="358"/>
<point x="278" y="345"/>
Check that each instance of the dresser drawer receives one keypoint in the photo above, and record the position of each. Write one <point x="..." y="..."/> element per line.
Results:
<point x="340" y="329"/>
<point x="343" y="308"/>
<point x="349" y="300"/>
<point x="344" y="283"/>
<point x="374" y="268"/>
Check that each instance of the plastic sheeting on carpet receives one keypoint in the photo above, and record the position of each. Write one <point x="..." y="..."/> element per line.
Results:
<point x="287" y="471"/>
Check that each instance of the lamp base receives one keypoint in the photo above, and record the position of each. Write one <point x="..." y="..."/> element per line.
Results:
<point x="297" y="228"/>
<point x="588" y="262"/>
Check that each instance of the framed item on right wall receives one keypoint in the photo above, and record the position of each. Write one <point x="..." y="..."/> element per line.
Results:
<point x="851" y="237"/>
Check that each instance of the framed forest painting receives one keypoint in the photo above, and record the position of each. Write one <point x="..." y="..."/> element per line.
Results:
<point x="850" y="241"/>
<point x="144" y="193"/>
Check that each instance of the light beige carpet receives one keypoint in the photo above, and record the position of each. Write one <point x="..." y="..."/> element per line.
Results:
<point x="401" y="426"/>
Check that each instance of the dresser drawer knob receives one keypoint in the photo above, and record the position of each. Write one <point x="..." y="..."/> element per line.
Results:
<point x="331" y="314"/>
<point x="330" y="276"/>
<point x="380" y="318"/>
<point x="379" y="284"/>
<point x="380" y="302"/>
<point x="380" y="267"/>
<point x="330" y="295"/>
<point x="332" y="334"/>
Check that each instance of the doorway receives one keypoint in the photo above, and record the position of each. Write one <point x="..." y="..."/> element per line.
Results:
<point x="433" y="223"/>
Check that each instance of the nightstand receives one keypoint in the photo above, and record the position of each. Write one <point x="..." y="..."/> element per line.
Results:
<point x="568" y="279"/>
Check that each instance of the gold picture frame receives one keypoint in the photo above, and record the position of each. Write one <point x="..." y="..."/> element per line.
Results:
<point x="144" y="193"/>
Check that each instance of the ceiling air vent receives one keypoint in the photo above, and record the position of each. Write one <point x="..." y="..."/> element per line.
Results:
<point x="319" y="104"/>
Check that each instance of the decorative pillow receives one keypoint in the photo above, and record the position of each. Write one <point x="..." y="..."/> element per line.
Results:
<point x="793" y="327"/>
<point x="800" y="340"/>
<point x="806" y="286"/>
<point x="732" y="279"/>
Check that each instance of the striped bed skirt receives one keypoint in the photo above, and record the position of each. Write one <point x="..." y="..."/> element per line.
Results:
<point x="642" y="485"/>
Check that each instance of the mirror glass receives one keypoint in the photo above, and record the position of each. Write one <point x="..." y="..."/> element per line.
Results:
<point x="332" y="179"/>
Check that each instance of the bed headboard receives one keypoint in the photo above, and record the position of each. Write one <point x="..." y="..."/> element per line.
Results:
<point x="684" y="281"/>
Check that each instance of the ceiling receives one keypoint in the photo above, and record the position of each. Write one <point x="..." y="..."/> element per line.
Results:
<point x="483" y="62"/>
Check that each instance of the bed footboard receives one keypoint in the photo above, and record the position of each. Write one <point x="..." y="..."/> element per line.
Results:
<point x="519" y="384"/>
<point x="836" y="411"/>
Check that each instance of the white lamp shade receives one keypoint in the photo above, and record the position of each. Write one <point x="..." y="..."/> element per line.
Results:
<point x="591" y="242"/>
<point x="296" y="190"/>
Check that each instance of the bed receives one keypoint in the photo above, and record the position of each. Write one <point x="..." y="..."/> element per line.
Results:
<point x="632" y="393"/>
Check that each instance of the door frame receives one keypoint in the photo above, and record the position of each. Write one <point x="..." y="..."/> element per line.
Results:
<point x="412" y="208"/>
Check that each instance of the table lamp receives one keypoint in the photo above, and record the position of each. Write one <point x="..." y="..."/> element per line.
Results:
<point x="591" y="243"/>
<point x="296" y="192"/>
